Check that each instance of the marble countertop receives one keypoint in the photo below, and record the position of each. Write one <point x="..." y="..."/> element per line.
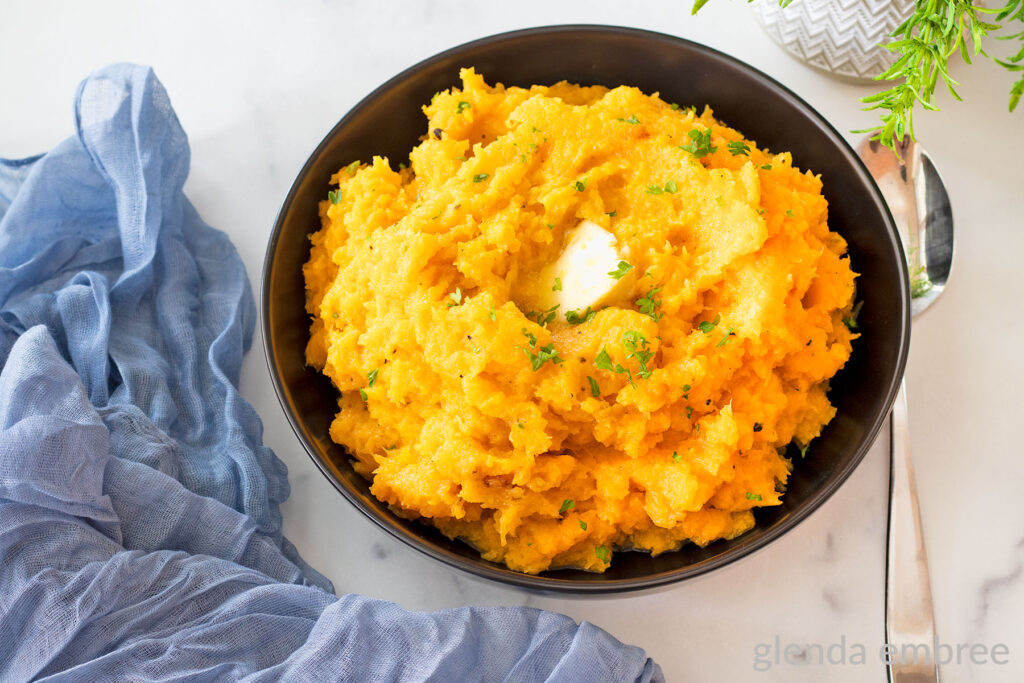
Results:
<point x="257" y="84"/>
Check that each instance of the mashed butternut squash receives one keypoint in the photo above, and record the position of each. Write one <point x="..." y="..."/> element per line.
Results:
<point x="549" y="440"/>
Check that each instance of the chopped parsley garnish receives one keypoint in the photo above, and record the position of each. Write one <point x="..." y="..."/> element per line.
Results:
<point x="613" y="214"/>
<point x="603" y="554"/>
<point x="371" y="377"/>
<point x="542" y="356"/>
<point x="638" y="347"/>
<point x="574" y="317"/>
<point x="648" y="303"/>
<point x="580" y="185"/>
<point x="354" y="166"/>
<point x="753" y="496"/>
<point x="544" y="317"/>
<point x="851" y="320"/>
<point x="701" y="145"/>
<point x="669" y="188"/>
<point x="686" y="387"/>
<point x="595" y="390"/>
<point x="567" y="504"/>
<point x="583" y="525"/>
<point x="492" y="314"/>
<point x="689" y="412"/>
<point x="789" y="212"/>
<point x="480" y="177"/>
<point x="739" y="147"/>
<point x="623" y="268"/>
<point x="767" y="167"/>
<point x="676" y="457"/>
<point x="803" y="450"/>
<point x="726" y="339"/>
<point x="463" y="106"/>
<point x="362" y="395"/>
<point x="707" y="327"/>
<point x="334" y="196"/>
<point x="673" y="106"/>
<point x="632" y="120"/>
<point x="456" y="297"/>
<point x="557" y="287"/>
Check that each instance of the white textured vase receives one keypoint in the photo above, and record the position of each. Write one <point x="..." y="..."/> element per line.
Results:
<point x="843" y="38"/>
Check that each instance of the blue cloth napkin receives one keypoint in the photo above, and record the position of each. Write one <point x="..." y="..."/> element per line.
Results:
<point x="140" y="523"/>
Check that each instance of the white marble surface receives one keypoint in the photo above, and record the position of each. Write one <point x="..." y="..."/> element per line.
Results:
<point x="256" y="85"/>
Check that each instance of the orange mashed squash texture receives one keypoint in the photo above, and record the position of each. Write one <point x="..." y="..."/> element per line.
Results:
<point x="663" y="418"/>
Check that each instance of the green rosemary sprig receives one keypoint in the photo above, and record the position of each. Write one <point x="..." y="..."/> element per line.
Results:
<point x="1014" y="11"/>
<point x="934" y="32"/>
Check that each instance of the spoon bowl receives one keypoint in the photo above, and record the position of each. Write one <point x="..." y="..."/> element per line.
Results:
<point x="920" y="206"/>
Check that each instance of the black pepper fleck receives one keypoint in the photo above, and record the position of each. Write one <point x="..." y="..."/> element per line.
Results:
<point x="757" y="427"/>
<point x="437" y="133"/>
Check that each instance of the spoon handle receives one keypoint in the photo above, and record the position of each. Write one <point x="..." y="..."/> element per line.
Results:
<point x="909" y="618"/>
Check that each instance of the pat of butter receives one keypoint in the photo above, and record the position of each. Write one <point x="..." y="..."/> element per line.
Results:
<point x="583" y="268"/>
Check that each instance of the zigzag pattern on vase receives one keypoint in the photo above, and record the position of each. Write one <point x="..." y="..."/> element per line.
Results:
<point x="844" y="37"/>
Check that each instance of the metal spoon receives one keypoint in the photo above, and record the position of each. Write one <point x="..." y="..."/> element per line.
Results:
<point x="920" y="206"/>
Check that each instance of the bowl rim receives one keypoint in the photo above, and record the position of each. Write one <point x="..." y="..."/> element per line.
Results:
<point x="554" y="584"/>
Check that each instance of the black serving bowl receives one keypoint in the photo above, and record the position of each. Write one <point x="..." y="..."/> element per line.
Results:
<point x="389" y="122"/>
